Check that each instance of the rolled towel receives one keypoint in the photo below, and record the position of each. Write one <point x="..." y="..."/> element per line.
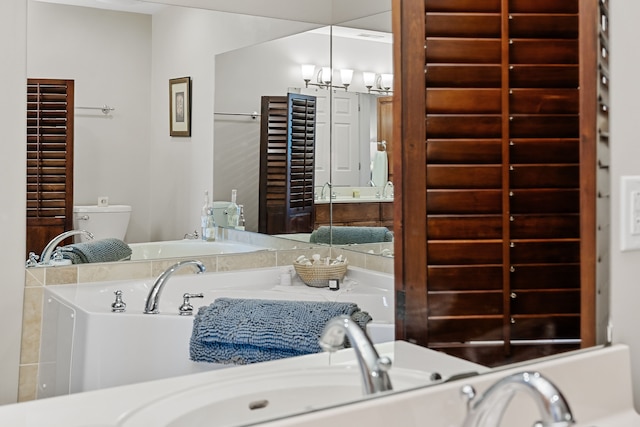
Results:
<point x="243" y="331"/>
<point x="104" y="250"/>
<point x="350" y="235"/>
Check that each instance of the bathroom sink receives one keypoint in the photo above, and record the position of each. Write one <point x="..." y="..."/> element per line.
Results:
<point x="262" y="397"/>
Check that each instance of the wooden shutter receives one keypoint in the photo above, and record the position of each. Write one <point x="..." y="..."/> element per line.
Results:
<point x="50" y="106"/>
<point x="508" y="250"/>
<point x="287" y="145"/>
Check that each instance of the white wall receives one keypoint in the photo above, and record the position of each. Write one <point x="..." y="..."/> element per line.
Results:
<point x="185" y="42"/>
<point x="108" y="55"/>
<point x="625" y="160"/>
<point x="12" y="190"/>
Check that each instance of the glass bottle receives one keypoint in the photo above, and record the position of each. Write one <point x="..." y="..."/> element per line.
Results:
<point x="204" y="215"/>
<point x="233" y="210"/>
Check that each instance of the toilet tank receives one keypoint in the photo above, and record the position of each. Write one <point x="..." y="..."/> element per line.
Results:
<point x="220" y="212"/>
<point x="101" y="221"/>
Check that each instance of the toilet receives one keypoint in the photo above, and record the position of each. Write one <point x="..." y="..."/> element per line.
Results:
<point x="101" y="221"/>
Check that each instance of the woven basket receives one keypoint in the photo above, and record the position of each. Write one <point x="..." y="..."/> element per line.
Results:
<point x="318" y="275"/>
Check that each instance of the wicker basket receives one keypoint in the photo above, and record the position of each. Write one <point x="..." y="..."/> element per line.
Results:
<point x="318" y="275"/>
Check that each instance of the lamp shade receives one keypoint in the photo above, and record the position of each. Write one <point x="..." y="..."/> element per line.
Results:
<point x="369" y="78"/>
<point x="346" y="75"/>
<point x="325" y="76"/>
<point x="307" y="71"/>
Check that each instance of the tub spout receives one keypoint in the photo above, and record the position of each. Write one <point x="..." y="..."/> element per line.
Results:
<point x="488" y="410"/>
<point x="373" y="367"/>
<point x="153" y="299"/>
<point x="45" y="258"/>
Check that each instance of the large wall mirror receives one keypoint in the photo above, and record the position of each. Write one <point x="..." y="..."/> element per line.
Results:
<point x="227" y="89"/>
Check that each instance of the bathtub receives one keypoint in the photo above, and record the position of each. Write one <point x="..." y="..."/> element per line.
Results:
<point x="187" y="248"/>
<point x="86" y="347"/>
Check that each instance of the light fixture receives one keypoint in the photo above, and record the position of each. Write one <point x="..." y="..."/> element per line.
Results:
<point x="324" y="76"/>
<point x="346" y="76"/>
<point x="369" y="79"/>
<point x="382" y="83"/>
<point x="308" y="71"/>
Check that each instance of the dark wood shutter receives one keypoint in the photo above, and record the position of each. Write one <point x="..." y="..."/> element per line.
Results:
<point x="287" y="159"/>
<point x="509" y="179"/>
<point x="50" y="112"/>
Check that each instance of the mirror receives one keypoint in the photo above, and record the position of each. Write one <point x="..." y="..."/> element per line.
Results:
<point x="346" y="120"/>
<point x="168" y="184"/>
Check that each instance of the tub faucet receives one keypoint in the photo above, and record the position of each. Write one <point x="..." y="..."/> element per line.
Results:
<point x="323" y="195"/>
<point x="389" y="184"/>
<point x="153" y="299"/>
<point x="488" y="410"/>
<point x="45" y="258"/>
<point x="373" y="367"/>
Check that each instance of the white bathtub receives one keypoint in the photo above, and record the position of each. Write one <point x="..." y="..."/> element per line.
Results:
<point x="87" y="347"/>
<point x="187" y="248"/>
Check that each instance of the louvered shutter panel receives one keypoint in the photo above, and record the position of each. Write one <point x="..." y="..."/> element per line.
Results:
<point x="49" y="160"/>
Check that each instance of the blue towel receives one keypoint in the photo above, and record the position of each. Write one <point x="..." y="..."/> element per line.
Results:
<point x="243" y="331"/>
<point x="104" y="250"/>
<point x="345" y="235"/>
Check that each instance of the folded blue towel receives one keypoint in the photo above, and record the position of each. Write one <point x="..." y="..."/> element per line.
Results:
<point x="345" y="235"/>
<point x="243" y="331"/>
<point x="104" y="250"/>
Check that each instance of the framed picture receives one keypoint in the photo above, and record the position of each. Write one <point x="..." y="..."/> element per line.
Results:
<point x="180" y="106"/>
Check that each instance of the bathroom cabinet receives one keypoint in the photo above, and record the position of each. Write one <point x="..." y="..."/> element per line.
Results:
<point x="287" y="156"/>
<point x="363" y="214"/>
<point x="501" y="228"/>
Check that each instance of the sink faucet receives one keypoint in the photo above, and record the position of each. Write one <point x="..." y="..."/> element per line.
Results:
<point x="153" y="299"/>
<point x="389" y="184"/>
<point x="45" y="258"/>
<point x="326" y="185"/>
<point x="488" y="410"/>
<point x="373" y="367"/>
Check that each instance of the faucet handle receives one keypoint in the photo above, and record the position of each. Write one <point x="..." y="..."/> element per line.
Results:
<point x="32" y="261"/>
<point x="384" y="363"/>
<point x="118" y="305"/>
<point x="186" y="309"/>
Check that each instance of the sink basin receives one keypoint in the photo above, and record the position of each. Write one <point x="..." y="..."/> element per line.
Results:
<point x="262" y="397"/>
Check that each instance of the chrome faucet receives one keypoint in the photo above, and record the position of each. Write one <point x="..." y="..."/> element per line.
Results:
<point x="389" y="184"/>
<point x="373" y="367"/>
<point x="153" y="299"/>
<point x="489" y="409"/>
<point x="45" y="258"/>
<point x="326" y="185"/>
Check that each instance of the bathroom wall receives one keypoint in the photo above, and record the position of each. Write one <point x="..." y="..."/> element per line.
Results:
<point x="185" y="42"/>
<point x="625" y="160"/>
<point x="12" y="189"/>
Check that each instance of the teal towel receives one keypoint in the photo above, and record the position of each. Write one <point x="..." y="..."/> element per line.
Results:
<point x="104" y="250"/>
<point x="350" y="235"/>
<point x="242" y="331"/>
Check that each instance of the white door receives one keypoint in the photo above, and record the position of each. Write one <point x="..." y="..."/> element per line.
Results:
<point x="336" y="161"/>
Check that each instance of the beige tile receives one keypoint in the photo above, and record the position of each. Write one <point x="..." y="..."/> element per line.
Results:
<point x="31" y="325"/>
<point x="34" y="276"/>
<point x="380" y="263"/>
<point x="159" y="266"/>
<point x="61" y="275"/>
<point x="99" y="272"/>
<point x="247" y="260"/>
<point x="28" y="382"/>
<point x="287" y="257"/>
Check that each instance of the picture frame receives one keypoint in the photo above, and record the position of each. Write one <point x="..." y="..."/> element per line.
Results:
<point x="180" y="106"/>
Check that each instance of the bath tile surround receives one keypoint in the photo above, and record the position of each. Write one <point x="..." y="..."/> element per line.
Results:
<point x="283" y="253"/>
